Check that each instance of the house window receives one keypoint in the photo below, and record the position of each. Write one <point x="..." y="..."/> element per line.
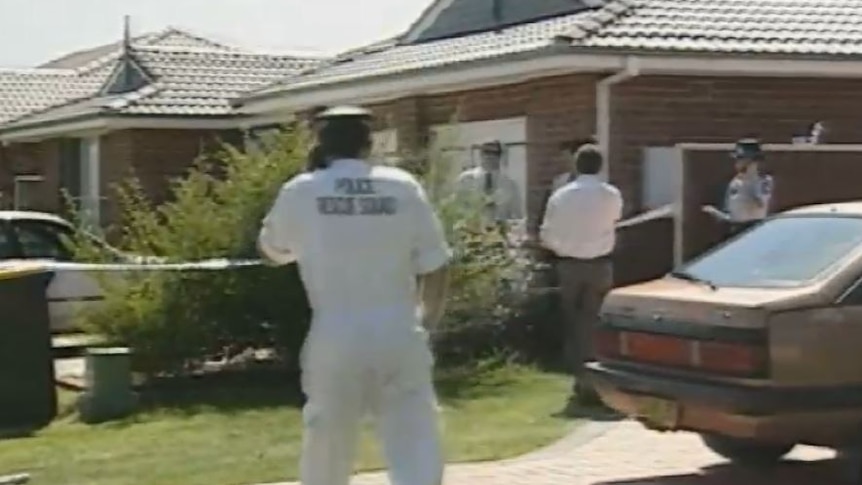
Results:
<point x="257" y="139"/>
<point x="459" y="143"/>
<point x="27" y="191"/>
<point x="661" y="172"/>
<point x="385" y="146"/>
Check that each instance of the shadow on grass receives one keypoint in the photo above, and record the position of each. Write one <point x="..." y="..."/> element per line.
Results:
<point x="226" y="393"/>
<point x="233" y="392"/>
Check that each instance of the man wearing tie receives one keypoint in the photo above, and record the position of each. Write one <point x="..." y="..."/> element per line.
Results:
<point x="502" y="197"/>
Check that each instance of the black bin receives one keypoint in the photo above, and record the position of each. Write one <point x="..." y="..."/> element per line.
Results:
<point x="28" y="398"/>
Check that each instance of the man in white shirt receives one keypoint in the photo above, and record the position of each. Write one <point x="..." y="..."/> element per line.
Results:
<point x="579" y="228"/>
<point x="503" y="199"/>
<point x="568" y="150"/>
<point x="373" y="258"/>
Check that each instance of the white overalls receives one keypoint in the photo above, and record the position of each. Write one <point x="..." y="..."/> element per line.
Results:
<point x="361" y="234"/>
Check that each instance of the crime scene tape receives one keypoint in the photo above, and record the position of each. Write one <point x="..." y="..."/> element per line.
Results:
<point x="204" y="265"/>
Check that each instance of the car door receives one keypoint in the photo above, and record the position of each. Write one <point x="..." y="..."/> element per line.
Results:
<point x="68" y="291"/>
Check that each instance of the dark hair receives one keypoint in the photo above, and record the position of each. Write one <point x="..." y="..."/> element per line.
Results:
<point x="345" y="137"/>
<point x="491" y="147"/>
<point x="316" y="159"/>
<point x="588" y="159"/>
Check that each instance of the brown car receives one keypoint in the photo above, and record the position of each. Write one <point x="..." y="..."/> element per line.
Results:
<point x="756" y="345"/>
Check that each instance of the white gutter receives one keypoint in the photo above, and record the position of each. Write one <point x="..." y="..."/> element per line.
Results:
<point x="603" y="107"/>
<point x="471" y="76"/>
<point x="430" y="81"/>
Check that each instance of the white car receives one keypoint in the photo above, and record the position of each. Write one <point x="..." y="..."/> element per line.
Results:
<point x="34" y="236"/>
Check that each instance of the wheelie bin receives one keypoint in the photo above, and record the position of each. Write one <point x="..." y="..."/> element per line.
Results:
<point x="28" y="397"/>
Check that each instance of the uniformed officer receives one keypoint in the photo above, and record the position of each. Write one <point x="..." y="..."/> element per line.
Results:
<point x="367" y="241"/>
<point x="503" y="199"/>
<point x="749" y="193"/>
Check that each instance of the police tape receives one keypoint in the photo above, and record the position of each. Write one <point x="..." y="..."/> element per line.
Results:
<point x="216" y="264"/>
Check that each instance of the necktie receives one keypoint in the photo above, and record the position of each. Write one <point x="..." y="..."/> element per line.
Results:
<point x="489" y="183"/>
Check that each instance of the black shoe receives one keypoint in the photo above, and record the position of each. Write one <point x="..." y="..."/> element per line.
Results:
<point x="585" y="395"/>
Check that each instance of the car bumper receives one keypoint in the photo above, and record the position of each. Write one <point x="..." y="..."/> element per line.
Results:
<point x="815" y="416"/>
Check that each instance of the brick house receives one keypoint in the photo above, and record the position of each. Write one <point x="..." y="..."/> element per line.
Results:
<point x="640" y="74"/>
<point x="147" y="105"/>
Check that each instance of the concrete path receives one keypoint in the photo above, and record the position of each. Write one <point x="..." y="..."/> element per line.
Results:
<point x="626" y="454"/>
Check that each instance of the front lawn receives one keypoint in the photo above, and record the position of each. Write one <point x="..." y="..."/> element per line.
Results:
<point x="247" y="432"/>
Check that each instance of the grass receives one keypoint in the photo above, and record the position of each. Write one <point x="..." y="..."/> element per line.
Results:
<point x="242" y="433"/>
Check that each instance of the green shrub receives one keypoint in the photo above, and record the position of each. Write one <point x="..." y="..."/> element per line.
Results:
<point x="176" y="320"/>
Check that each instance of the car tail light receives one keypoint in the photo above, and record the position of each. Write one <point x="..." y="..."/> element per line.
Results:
<point x="607" y="342"/>
<point x="730" y="359"/>
<point x="658" y="349"/>
<point x="734" y="359"/>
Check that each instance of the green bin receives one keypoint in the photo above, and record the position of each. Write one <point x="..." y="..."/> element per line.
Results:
<point x="28" y="398"/>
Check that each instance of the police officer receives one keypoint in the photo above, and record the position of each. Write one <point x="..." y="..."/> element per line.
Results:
<point x="367" y="242"/>
<point x="749" y="193"/>
<point x="500" y="191"/>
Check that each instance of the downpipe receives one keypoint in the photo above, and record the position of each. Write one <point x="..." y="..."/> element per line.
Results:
<point x="630" y="70"/>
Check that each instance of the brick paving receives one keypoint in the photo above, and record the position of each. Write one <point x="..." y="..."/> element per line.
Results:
<point x="626" y="454"/>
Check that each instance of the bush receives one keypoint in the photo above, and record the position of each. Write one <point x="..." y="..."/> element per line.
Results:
<point x="174" y="321"/>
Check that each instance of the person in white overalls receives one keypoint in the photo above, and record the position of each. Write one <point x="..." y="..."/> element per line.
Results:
<point x="372" y="256"/>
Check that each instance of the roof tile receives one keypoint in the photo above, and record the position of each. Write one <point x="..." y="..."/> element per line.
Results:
<point x="394" y="58"/>
<point x="821" y="27"/>
<point x="188" y="81"/>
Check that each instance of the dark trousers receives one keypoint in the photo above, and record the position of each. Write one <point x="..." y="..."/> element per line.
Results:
<point x="584" y="283"/>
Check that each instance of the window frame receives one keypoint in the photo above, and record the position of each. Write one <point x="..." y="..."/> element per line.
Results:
<point x="13" y="228"/>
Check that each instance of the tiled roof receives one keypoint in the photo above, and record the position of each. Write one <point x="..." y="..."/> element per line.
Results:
<point x="777" y="27"/>
<point x="26" y="91"/>
<point x="170" y="36"/>
<point x="792" y="27"/>
<point x="79" y="75"/>
<point x="186" y="82"/>
<point x="391" y="58"/>
<point x="203" y="82"/>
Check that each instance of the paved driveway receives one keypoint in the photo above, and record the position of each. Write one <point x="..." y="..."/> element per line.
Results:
<point x="626" y="454"/>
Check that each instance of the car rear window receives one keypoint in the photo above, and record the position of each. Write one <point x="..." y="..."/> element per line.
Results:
<point x="781" y="252"/>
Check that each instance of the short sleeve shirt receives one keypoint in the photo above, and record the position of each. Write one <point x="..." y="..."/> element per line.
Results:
<point x="748" y="199"/>
<point x="360" y="234"/>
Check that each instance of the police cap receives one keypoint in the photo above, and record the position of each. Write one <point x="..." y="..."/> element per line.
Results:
<point x="344" y="113"/>
<point x="747" y="149"/>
